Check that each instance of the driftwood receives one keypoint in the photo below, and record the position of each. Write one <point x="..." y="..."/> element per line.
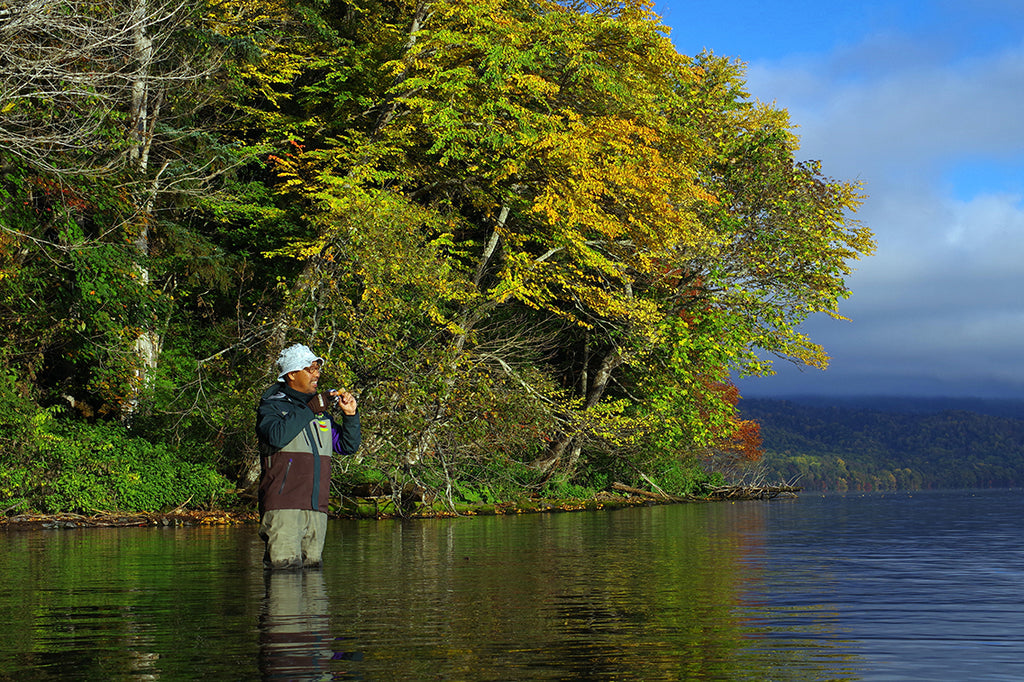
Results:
<point x="623" y="488"/>
<point x="729" y="492"/>
<point x="177" y="517"/>
<point x="752" y="492"/>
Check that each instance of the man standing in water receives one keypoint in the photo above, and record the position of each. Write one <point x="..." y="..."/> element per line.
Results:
<point x="297" y="439"/>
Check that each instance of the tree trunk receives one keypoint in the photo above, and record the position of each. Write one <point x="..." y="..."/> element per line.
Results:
<point x="419" y="16"/>
<point x="554" y="452"/>
<point x="143" y="116"/>
<point x="469" y="319"/>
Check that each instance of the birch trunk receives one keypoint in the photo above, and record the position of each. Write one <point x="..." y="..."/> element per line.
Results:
<point x="143" y="115"/>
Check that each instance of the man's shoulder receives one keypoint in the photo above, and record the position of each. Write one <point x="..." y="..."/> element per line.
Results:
<point x="273" y="394"/>
<point x="275" y="389"/>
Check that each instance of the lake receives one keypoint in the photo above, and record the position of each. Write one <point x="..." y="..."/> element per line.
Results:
<point x="895" y="586"/>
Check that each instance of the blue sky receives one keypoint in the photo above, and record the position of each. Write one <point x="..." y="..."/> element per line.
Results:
<point x="924" y="103"/>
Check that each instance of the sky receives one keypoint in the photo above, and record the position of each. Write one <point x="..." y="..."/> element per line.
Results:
<point x="922" y="102"/>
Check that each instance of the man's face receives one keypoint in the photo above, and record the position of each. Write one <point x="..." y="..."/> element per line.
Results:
<point x="304" y="380"/>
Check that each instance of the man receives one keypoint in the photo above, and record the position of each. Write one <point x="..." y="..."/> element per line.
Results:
<point x="297" y="438"/>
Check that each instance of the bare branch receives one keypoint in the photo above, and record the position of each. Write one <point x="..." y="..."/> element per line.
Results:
<point x="72" y="71"/>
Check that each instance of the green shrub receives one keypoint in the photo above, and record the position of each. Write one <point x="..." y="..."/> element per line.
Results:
<point x="567" y="490"/>
<point x="683" y="479"/>
<point x="76" y="467"/>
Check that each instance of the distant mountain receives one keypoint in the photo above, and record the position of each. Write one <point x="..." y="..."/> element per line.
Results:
<point x="891" y="443"/>
<point x="911" y="405"/>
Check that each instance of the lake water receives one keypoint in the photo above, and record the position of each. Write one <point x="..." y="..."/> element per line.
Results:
<point x="901" y="586"/>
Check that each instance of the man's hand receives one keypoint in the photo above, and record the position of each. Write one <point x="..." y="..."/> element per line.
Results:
<point x="346" y="402"/>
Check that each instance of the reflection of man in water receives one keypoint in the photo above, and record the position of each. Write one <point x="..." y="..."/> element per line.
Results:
<point x="295" y="636"/>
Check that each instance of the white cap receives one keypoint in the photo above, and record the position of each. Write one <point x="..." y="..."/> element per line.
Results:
<point x="294" y="358"/>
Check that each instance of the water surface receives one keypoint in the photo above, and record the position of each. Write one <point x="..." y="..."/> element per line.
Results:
<point x="922" y="586"/>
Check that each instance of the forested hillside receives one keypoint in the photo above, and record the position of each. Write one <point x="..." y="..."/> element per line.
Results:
<point x="902" y="444"/>
<point x="531" y="236"/>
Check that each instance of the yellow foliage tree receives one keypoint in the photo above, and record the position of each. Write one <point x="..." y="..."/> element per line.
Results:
<point x="559" y="165"/>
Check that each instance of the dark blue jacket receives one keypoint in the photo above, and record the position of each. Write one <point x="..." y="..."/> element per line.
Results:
<point x="296" y="447"/>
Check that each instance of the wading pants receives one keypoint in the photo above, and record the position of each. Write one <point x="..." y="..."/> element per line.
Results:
<point x="294" y="537"/>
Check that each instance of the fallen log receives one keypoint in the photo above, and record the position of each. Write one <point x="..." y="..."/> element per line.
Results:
<point x="728" y="492"/>
<point x="622" y="487"/>
<point x="752" y="492"/>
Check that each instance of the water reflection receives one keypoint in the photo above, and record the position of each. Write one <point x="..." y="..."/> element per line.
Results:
<point x="811" y="590"/>
<point x="643" y="594"/>
<point x="294" y="629"/>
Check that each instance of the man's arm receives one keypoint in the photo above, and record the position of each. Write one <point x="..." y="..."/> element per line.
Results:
<point x="277" y="424"/>
<point x="347" y="436"/>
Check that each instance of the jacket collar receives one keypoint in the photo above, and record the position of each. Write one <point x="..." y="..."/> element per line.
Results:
<point x="292" y="393"/>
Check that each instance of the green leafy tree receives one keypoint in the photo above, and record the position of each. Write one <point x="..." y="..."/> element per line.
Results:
<point x="573" y="170"/>
<point x="535" y="238"/>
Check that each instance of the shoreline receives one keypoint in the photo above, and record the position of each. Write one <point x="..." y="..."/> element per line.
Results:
<point x="388" y="507"/>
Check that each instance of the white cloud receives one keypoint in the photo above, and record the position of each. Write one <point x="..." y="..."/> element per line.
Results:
<point x="909" y="119"/>
<point x="990" y="222"/>
<point x="941" y="300"/>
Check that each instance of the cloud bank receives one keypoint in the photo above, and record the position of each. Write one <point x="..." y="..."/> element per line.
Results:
<point x="935" y="132"/>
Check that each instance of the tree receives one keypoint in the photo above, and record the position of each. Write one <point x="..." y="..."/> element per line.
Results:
<point x="533" y="236"/>
<point x="115" y="120"/>
<point x="591" y="179"/>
